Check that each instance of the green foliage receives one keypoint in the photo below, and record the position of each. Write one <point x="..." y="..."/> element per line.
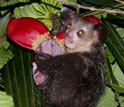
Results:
<point x="3" y="25"/>
<point x="108" y="100"/>
<point x="18" y="81"/>
<point x="5" y="54"/>
<point x="17" y="74"/>
<point x="41" y="11"/>
<point x="74" y="1"/>
<point x="97" y="2"/>
<point x="5" y="100"/>
<point x="115" y="44"/>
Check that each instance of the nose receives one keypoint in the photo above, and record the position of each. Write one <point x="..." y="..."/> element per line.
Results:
<point x="68" y="35"/>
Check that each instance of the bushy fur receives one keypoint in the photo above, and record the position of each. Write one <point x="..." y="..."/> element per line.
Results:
<point x="74" y="80"/>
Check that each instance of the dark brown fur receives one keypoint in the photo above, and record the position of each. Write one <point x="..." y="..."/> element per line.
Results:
<point x="74" y="80"/>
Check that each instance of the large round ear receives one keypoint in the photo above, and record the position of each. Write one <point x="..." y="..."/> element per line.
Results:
<point x="93" y="19"/>
<point x="67" y="13"/>
<point x="101" y="32"/>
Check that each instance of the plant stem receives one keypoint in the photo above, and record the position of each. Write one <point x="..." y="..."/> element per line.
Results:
<point x="91" y="8"/>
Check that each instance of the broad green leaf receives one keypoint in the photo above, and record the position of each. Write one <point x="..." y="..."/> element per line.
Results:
<point x="121" y="32"/>
<point x="109" y="54"/>
<point x="3" y="25"/>
<point x="4" y="3"/>
<point x="74" y="1"/>
<point x="1" y="83"/>
<point x="96" y="2"/>
<point x="18" y="81"/>
<point x="5" y="100"/>
<point x="108" y="100"/>
<point x="5" y="56"/>
<point x="5" y="45"/>
<point x="109" y="76"/>
<point x="116" y="19"/>
<point x="117" y="88"/>
<point x="118" y="74"/>
<point x="115" y="44"/>
<point x="116" y="77"/>
<point x="42" y="11"/>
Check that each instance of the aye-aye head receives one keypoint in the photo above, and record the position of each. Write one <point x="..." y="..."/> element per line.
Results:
<point x="81" y="34"/>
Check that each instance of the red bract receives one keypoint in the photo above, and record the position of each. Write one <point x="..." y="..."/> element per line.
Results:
<point x="27" y="32"/>
<point x="33" y="34"/>
<point x="60" y="35"/>
<point x="93" y="19"/>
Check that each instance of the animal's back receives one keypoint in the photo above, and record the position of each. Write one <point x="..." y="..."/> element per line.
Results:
<point x="74" y="80"/>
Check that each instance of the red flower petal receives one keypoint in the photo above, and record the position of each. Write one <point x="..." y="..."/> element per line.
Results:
<point x="60" y="35"/>
<point x="93" y="19"/>
<point x="24" y="31"/>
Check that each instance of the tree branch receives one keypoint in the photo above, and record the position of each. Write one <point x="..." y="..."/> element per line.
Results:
<point x="119" y="1"/>
<point x="91" y="8"/>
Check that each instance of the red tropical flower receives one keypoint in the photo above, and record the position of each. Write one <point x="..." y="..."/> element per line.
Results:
<point x="33" y="34"/>
<point x="27" y="32"/>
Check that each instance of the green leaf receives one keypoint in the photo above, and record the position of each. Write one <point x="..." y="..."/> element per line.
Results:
<point x="11" y="2"/>
<point x="97" y="2"/>
<point x="109" y="54"/>
<point x="116" y="19"/>
<point x="74" y="1"/>
<point x="3" y="25"/>
<point x="118" y="88"/>
<point x="42" y="11"/>
<point x="5" y="56"/>
<point x="18" y="81"/>
<point x="115" y="44"/>
<point x="109" y="76"/>
<point x="100" y="13"/>
<point x="5" y="100"/>
<point x="118" y="74"/>
<point x="121" y="32"/>
<point x="108" y="100"/>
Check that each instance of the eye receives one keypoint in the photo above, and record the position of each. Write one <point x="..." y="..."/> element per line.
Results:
<point x="68" y="26"/>
<point x="80" y="32"/>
